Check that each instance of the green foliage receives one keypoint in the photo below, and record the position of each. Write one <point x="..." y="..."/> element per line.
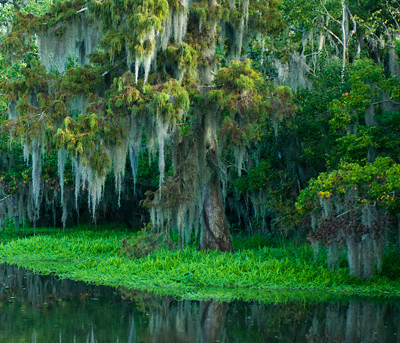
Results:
<point x="256" y="179"/>
<point x="98" y="113"/>
<point x="364" y="79"/>
<point x="290" y="136"/>
<point x="250" y="274"/>
<point x="376" y="183"/>
<point x="244" y="100"/>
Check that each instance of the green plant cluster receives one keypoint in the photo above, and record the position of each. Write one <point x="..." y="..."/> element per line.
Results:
<point x="376" y="184"/>
<point x="145" y="243"/>
<point x="249" y="274"/>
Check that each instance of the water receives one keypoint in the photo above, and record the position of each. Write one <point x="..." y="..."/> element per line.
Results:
<point x="38" y="309"/>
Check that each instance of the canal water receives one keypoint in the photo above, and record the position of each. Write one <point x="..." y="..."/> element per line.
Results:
<point x="41" y="309"/>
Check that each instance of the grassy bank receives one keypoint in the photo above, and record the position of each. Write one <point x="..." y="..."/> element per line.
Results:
<point x="256" y="273"/>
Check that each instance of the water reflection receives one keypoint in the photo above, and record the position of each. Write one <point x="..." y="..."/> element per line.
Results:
<point x="37" y="309"/>
<point x="359" y="321"/>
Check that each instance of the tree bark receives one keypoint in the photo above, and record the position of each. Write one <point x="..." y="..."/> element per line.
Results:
<point x="215" y="233"/>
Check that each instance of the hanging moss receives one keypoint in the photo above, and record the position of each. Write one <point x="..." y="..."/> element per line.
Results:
<point x="118" y="155"/>
<point x="114" y="71"/>
<point x="36" y="171"/>
<point x="78" y="39"/>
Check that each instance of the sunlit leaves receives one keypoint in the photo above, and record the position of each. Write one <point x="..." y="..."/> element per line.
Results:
<point x="376" y="183"/>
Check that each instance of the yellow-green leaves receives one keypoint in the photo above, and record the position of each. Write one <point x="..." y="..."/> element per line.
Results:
<point x="187" y="56"/>
<point x="376" y="183"/>
<point x="93" y="122"/>
<point x="79" y="148"/>
<point x="171" y="102"/>
<point x="100" y="161"/>
<point x="132" y="95"/>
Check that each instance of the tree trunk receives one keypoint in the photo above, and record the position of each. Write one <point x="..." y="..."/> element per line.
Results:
<point x="212" y="320"/>
<point x="215" y="233"/>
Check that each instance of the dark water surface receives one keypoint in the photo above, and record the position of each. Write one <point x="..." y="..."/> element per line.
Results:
<point x="41" y="309"/>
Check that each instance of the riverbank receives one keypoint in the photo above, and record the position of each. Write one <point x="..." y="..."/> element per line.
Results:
<point x="254" y="272"/>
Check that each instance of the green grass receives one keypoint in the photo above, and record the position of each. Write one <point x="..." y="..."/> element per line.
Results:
<point x="255" y="271"/>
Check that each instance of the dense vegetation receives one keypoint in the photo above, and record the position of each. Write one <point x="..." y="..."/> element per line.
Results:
<point x="199" y="119"/>
<point x="256" y="271"/>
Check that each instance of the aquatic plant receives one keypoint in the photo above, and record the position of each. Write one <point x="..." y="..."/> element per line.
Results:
<point x="250" y="274"/>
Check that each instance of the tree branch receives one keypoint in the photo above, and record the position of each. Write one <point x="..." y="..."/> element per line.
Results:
<point x="354" y="25"/>
<point x="330" y="32"/>
<point x="1" y="200"/>
<point x="391" y="13"/>
<point x="328" y="14"/>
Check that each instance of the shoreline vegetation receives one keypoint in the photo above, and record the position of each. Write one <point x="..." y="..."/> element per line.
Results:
<point x="259" y="270"/>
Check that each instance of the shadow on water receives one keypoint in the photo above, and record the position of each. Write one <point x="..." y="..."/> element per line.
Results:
<point x="36" y="309"/>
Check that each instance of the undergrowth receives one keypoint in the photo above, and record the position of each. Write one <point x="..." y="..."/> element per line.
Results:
<point x="251" y="273"/>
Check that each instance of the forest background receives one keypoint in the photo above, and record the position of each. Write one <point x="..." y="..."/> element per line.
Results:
<point x="315" y="159"/>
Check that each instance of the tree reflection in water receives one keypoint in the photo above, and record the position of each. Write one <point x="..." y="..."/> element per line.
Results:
<point x="359" y="321"/>
<point x="38" y="309"/>
<point x="352" y="320"/>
